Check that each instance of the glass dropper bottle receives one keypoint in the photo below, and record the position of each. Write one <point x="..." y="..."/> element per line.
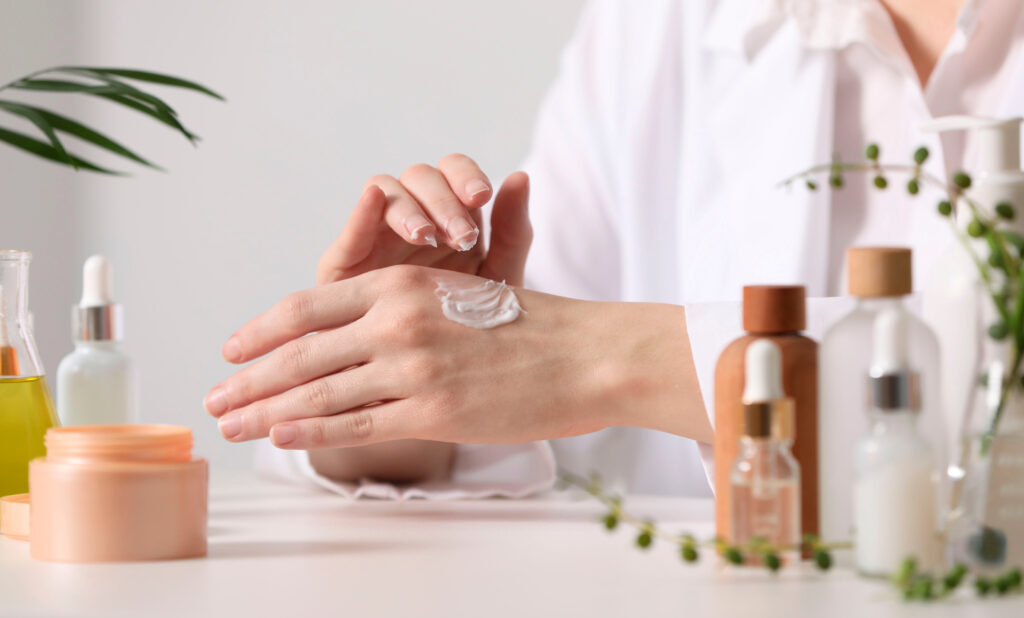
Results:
<point x="26" y="407"/>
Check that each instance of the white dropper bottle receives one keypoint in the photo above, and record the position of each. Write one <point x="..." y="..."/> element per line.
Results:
<point x="895" y="499"/>
<point x="96" y="383"/>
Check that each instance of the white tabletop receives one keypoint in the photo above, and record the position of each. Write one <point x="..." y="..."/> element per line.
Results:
<point x="279" y="550"/>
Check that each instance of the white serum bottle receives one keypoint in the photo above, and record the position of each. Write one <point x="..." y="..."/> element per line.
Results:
<point x="96" y="383"/>
<point x="895" y="498"/>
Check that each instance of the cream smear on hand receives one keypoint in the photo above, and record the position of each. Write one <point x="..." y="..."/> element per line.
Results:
<point x="489" y="304"/>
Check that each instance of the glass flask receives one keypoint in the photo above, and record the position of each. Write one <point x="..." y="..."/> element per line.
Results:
<point x="26" y="407"/>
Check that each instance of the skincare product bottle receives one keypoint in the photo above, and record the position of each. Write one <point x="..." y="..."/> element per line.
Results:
<point x="895" y="500"/>
<point x="26" y="408"/>
<point x="765" y="487"/>
<point x="96" y="382"/>
<point x="955" y="304"/>
<point x="776" y="313"/>
<point x="880" y="279"/>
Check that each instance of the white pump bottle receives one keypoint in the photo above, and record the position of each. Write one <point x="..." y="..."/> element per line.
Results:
<point x="954" y="302"/>
<point x="96" y="383"/>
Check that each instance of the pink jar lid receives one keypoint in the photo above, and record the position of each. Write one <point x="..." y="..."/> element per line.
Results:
<point x="14" y="516"/>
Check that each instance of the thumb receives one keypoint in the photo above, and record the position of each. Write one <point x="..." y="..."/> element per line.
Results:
<point x="511" y="233"/>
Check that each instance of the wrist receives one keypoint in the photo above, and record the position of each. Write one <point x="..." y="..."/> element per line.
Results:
<point x="647" y="377"/>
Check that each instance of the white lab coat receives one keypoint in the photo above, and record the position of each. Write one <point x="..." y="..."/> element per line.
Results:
<point x="654" y="177"/>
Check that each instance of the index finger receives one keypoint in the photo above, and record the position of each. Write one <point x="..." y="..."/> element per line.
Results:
<point x="466" y="179"/>
<point x="298" y="314"/>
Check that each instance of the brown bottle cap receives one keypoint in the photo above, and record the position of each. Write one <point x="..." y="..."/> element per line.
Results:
<point x="774" y="308"/>
<point x="878" y="271"/>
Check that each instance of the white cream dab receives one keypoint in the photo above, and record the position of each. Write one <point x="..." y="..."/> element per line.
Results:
<point x="487" y="305"/>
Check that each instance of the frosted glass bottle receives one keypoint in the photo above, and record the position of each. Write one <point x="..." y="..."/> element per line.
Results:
<point x="895" y="494"/>
<point x="96" y="382"/>
<point x="880" y="280"/>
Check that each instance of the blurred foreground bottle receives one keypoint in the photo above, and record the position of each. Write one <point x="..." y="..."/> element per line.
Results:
<point x="26" y="408"/>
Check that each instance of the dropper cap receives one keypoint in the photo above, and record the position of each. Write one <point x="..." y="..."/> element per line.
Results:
<point x="771" y="309"/>
<point x="879" y="272"/>
<point x="894" y="385"/>
<point x="767" y="411"/>
<point x="97" y="317"/>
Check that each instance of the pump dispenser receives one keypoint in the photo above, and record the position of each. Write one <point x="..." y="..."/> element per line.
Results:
<point x="955" y="305"/>
<point x="96" y="382"/>
<point x="765" y="478"/>
<point x="895" y="499"/>
<point x="880" y="279"/>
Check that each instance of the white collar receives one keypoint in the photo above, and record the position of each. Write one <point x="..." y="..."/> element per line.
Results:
<point x="746" y="26"/>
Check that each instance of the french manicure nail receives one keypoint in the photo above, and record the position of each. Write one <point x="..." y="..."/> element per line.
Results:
<point x="230" y="426"/>
<point x="216" y="402"/>
<point x="420" y="228"/>
<point x="462" y="233"/>
<point x="282" y="435"/>
<point x="476" y="187"/>
<point x="232" y="350"/>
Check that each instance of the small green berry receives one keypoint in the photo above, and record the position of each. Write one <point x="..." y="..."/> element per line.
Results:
<point x="871" y="152"/>
<point x="998" y="331"/>
<point x="812" y="186"/>
<point x="962" y="180"/>
<point x="689" y="553"/>
<point x="881" y="182"/>
<point x="733" y="555"/>
<point x="772" y="561"/>
<point x="982" y="586"/>
<point x="1015" y="577"/>
<point x="823" y="559"/>
<point x="1005" y="210"/>
<point x="975" y="228"/>
<point x="945" y="208"/>
<point x="611" y="521"/>
<point x="920" y="155"/>
<point x="1003" y="585"/>
<point x="996" y="259"/>
<point x="906" y="571"/>
<point x="644" y="540"/>
<point x="836" y="181"/>
<point x="922" y="588"/>
<point x="913" y="187"/>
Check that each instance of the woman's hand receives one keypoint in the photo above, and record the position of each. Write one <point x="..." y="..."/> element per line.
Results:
<point x="373" y="359"/>
<point x="431" y="217"/>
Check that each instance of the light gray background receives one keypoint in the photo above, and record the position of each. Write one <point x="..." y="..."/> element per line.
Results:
<point x="321" y="95"/>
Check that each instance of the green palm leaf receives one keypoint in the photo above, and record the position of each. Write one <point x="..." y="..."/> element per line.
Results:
<point x="148" y="76"/>
<point x="163" y="117"/>
<point x="72" y="127"/>
<point x="42" y="149"/>
<point x="33" y="116"/>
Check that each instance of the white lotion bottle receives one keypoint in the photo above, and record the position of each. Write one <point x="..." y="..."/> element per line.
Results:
<point x="879" y="278"/>
<point x="895" y="492"/>
<point x="96" y="383"/>
<point x="955" y="304"/>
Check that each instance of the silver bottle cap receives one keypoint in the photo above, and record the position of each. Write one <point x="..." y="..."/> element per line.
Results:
<point x="97" y="323"/>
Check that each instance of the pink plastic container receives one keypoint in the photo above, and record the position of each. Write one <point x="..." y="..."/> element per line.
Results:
<point x="109" y="493"/>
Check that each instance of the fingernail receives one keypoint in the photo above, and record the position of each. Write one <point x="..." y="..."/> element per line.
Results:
<point x="476" y="187"/>
<point x="462" y="233"/>
<point x="216" y="402"/>
<point x="230" y="426"/>
<point x="282" y="435"/>
<point x="420" y="228"/>
<point x="232" y="350"/>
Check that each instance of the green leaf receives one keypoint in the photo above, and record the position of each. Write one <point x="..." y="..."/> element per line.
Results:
<point x="111" y="93"/>
<point x="71" y="127"/>
<point x="163" y="117"/>
<point x="46" y="151"/>
<point x="124" y="88"/>
<point x="32" y="115"/>
<point x="148" y="76"/>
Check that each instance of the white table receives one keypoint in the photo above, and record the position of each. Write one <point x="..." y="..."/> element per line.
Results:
<point x="278" y="550"/>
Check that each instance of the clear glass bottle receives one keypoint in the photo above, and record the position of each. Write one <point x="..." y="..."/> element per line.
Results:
<point x="895" y="497"/>
<point x="26" y="408"/>
<point x="765" y="478"/>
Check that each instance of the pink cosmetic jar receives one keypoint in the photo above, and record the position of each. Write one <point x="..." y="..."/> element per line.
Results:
<point x="108" y="493"/>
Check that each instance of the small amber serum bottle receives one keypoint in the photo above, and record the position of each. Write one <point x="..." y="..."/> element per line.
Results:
<point x="765" y="477"/>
